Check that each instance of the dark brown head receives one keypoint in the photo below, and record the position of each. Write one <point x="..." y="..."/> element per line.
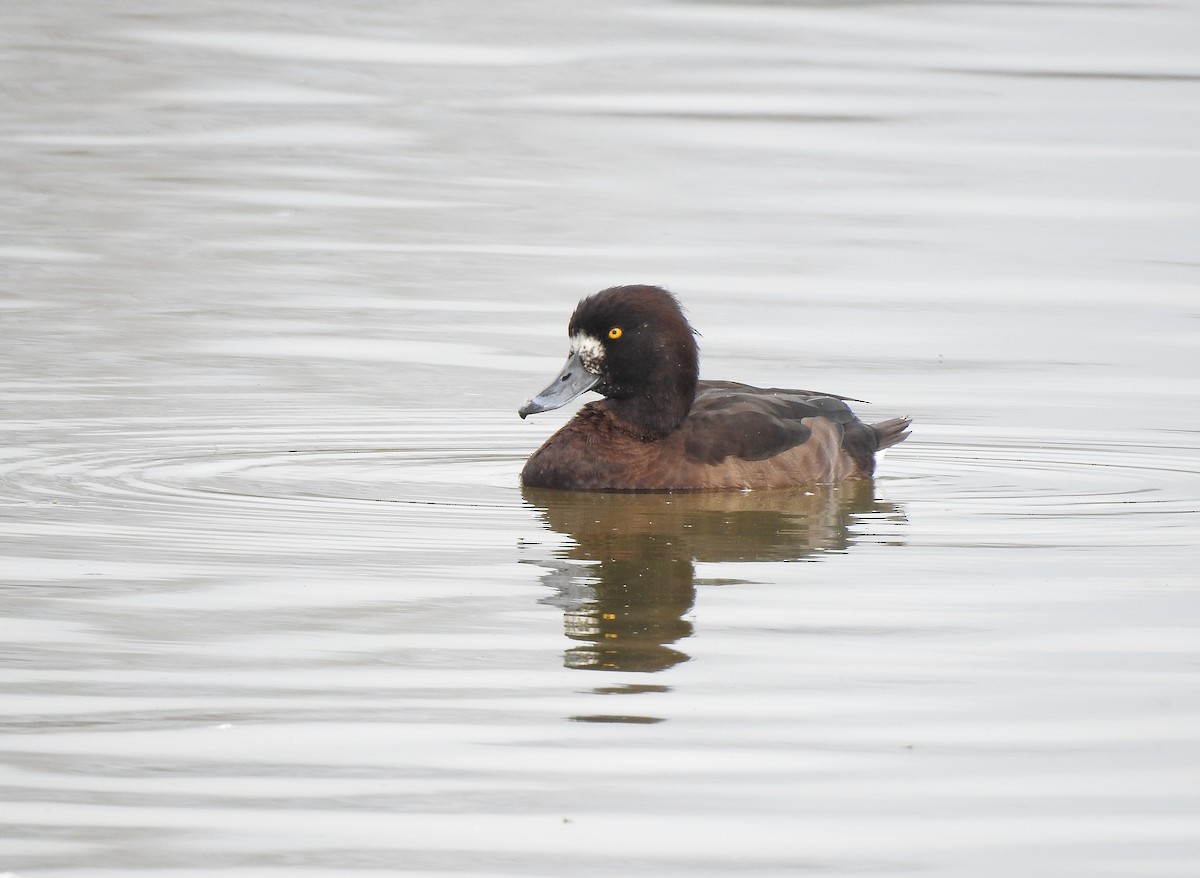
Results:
<point x="633" y="345"/>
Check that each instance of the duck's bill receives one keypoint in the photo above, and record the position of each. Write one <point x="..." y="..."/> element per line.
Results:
<point x="572" y="380"/>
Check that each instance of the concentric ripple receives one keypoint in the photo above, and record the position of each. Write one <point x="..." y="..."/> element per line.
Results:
<point x="1069" y="489"/>
<point x="200" y="488"/>
<point x="447" y="482"/>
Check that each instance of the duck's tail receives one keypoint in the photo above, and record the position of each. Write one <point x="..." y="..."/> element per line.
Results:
<point x="891" y="431"/>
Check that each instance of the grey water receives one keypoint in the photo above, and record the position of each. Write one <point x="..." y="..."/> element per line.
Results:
<point x="274" y="278"/>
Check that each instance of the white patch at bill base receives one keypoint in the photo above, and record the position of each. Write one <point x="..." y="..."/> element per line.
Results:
<point x="590" y="350"/>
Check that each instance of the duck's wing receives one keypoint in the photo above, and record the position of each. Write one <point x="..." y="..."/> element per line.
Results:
<point x="753" y="423"/>
<point x="705" y="387"/>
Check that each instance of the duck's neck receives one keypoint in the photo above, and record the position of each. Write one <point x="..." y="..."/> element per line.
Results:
<point x="657" y="412"/>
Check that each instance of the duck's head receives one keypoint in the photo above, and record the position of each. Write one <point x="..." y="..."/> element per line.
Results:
<point x="633" y="345"/>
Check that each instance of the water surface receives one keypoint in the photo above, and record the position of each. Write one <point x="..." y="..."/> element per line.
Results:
<point x="275" y="280"/>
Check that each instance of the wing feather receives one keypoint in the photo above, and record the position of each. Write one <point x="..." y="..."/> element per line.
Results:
<point x="751" y="423"/>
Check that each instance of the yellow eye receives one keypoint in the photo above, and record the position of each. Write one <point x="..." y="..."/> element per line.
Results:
<point x="615" y="332"/>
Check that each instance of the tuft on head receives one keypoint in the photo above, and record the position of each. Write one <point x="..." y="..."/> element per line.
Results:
<point x="616" y="304"/>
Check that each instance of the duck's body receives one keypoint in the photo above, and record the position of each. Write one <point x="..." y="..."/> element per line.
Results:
<point x="661" y="429"/>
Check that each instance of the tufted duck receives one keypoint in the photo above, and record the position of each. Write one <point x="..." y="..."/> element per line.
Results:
<point x="660" y="428"/>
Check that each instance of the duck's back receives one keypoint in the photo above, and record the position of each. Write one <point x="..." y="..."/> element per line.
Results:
<point x="735" y="436"/>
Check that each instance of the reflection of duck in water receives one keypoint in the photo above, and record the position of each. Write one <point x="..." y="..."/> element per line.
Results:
<point x="662" y="429"/>
<point x="629" y="579"/>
